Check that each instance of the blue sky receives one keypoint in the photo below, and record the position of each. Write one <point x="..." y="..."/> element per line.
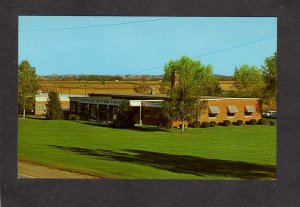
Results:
<point x="138" y="45"/>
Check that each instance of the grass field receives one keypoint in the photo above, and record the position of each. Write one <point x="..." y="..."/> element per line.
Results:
<point x="245" y="152"/>
<point x="85" y="87"/>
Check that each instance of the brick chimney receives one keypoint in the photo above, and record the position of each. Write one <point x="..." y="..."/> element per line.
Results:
<point x="174" y="79"/>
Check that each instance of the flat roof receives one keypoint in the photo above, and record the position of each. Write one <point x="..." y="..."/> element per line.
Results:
<point x="155" y="96"/>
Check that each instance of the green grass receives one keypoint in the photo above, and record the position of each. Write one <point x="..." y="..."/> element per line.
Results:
<point x="245" y="152"/>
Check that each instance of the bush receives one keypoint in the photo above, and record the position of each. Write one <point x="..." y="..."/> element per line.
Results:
<point x="226" y="123"/>
<point x="262" y="121"/>
<point x="205" y="124"/>
<point x="239" y="122"/>
<point x="76" y="117"/>
<point x="213" y="123"/>
<point x="195" y="124"/>
<point x="165" y="120"/>
<point x="125" y="116"/>
<point x="272" y="123"/>
<point x="71" y="116"/>
<point x="253" y="122"/>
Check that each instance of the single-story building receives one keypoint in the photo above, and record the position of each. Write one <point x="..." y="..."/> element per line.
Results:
<point x="41" y="100"/>
<point x="147" y="108"/>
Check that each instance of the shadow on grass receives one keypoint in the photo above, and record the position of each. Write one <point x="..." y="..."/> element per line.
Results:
<point x="142" y="128"/>
<point x="181" y="163"/>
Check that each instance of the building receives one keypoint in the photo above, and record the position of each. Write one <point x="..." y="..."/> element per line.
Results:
<point x="41" y="100"/>
<point x="147" y="108"/>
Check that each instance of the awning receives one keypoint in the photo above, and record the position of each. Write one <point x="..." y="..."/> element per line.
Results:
<point x="232" y="109"/>
<point x="250" y="108"/>
<point x="214" y="109"/>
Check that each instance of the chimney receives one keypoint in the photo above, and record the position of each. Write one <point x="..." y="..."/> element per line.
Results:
<point x="174" y="79"/>
<point x="152" y="88"/>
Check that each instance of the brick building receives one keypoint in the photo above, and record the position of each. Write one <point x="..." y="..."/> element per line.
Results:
<point x="147" y="108"/>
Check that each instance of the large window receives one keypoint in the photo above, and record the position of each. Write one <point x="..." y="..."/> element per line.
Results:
<point x="231" y="110"/>
<point x="213" y="111"/>
<point x="249" y="109"/>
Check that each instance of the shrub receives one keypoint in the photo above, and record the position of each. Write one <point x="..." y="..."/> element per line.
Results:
<point x="76" y="117"/>
<point x="239" y="122"/>
<point x="262" y="121"/>
<point x="252" y="122"/>
<point x="124" y="116"/>
<point x="213" y="123"/>
<point x="195" y="124"/>
<point x="71" y="116"/>
<point x="205" y="124"/>
<point x="272" y="123"/>
<point x="165" y="119"/>
<point x="226" y="123"/>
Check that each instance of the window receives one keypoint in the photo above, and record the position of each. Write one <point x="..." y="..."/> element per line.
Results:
<point x="230" y="114"/>
<point x="249" y="109"/>
<point x="212" y="115"/>
<point x="231" y="110"/>
<point x="248" y="113"/>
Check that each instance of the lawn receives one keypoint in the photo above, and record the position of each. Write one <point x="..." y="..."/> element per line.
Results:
<point x="245" y="152"/>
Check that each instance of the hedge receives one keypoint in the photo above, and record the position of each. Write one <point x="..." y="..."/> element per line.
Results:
<point x="205" y="124"/>
<point x="226" y="123"/>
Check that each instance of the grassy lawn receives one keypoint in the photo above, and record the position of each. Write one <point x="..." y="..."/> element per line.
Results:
<point x="245" y="152"/>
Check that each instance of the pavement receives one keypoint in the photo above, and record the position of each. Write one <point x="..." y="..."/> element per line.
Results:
<point x="29" y="170"/>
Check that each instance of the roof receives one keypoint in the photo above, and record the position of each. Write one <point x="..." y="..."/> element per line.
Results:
<point x="132" y="96"/>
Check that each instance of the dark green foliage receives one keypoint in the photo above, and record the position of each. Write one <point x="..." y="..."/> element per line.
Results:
<point x="195" y="124"/>
<point x="262" y="121"/>
<point x="226" y="123"/>
<point x="73" y="117"/>
<point x="53" y="107"/>
<point x="124" y="116"/>
<point x="27" y="86"/>
<point x="272" y="123"/>
<point x="269" y="70"/>
<point x="165" y="119"/>
<point x="253" y="122"/>
<point x="213" y="123"/>
<point x="205" y="124"/>
<point x="239" y="122"/>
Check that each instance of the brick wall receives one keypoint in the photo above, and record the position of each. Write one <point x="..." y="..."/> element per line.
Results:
<point x="240" y="105"/>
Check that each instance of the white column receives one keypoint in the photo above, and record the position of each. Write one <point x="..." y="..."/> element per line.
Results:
<point x="97" y="115"/>
<point x="141" y="113"/>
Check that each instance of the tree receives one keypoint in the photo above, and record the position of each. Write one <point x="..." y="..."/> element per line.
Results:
<point x="53" y="106"/>
<point x="184" y="103"/>
<point x="248" y="80"/>
<point x="27" y="86"/>
<point x="124" y="116"/>
<point x="207" y="84"/>
<point x="269" y="71"/>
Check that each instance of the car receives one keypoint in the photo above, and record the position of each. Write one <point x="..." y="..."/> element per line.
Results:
<point x="270" y="114"/>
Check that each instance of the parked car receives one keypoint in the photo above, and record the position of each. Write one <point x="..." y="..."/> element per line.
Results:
<point x="270" y="114"/>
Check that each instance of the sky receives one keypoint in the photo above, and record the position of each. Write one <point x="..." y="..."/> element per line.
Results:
<point x="113" y="45"/>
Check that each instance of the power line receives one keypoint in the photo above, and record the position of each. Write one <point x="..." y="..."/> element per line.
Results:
<point x="209" y="53"/>
<point x="95" y="26"/>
